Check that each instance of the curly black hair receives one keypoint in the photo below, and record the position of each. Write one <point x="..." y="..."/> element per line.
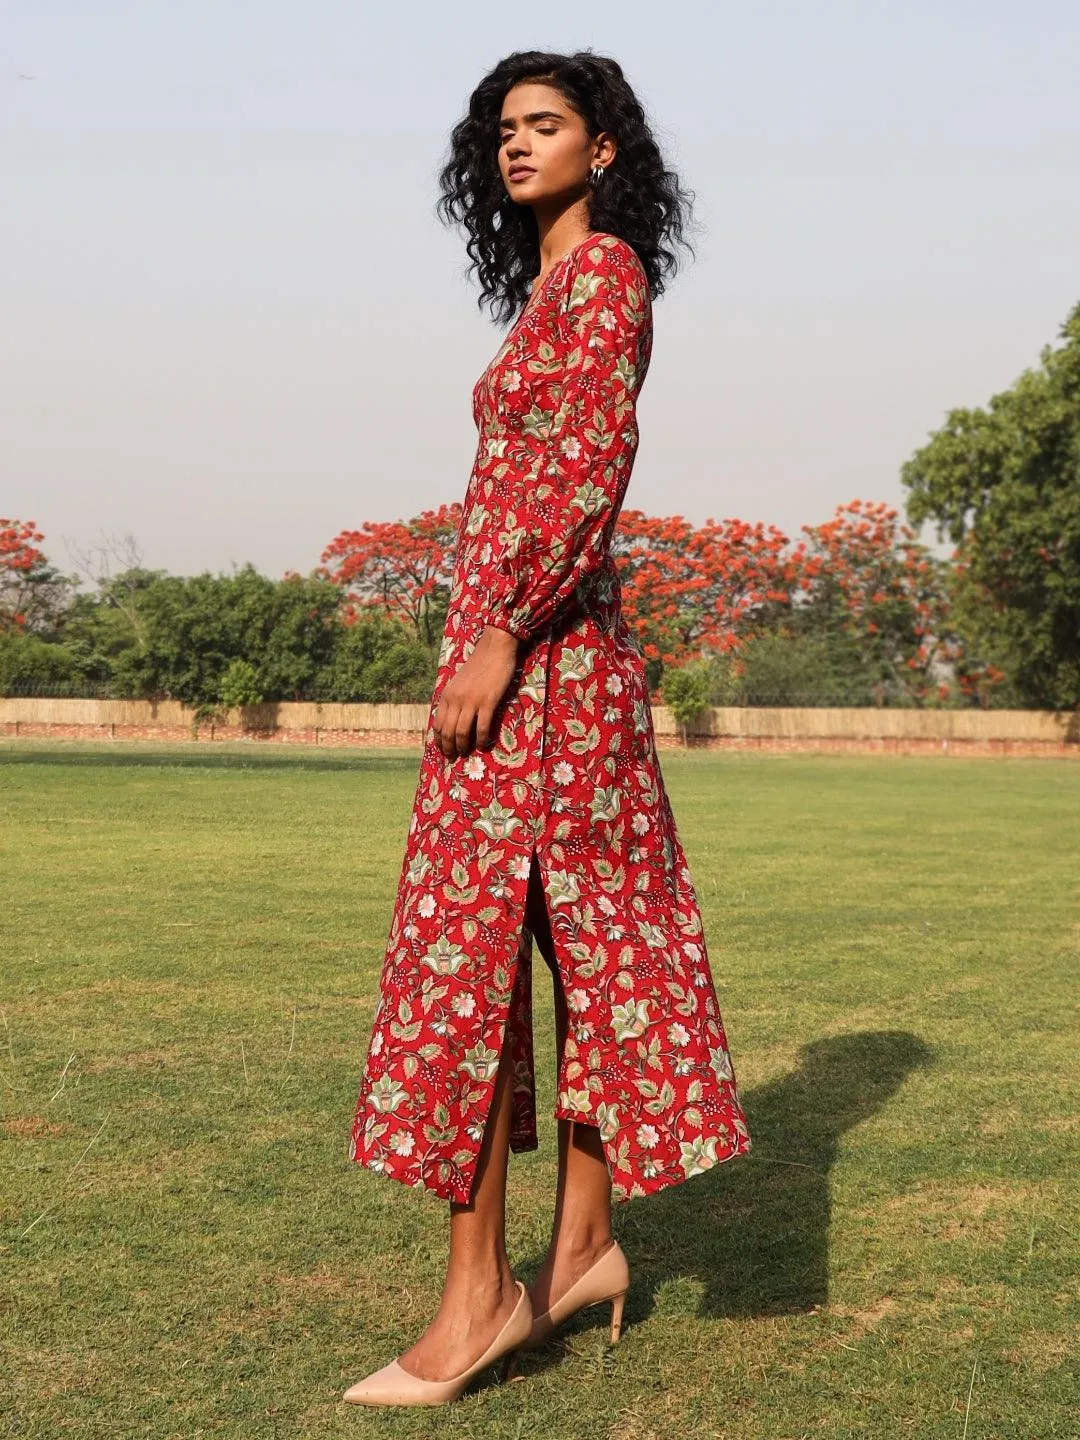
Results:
<point x="640" y="199"/>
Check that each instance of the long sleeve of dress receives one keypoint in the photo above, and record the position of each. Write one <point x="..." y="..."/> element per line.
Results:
<point x="585" y="431"/>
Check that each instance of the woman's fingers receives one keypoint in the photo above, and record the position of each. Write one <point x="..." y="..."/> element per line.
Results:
<point x="484" y="717"/>
<point x="458" y="718"/>
<point x="445" y="720"/>
<point x="463" y="729"/>
<point x="453" y="727"/>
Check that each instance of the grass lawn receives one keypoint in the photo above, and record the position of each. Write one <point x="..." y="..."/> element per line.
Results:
<point x="190" y="940"/>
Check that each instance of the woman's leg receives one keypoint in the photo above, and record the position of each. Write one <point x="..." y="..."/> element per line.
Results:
<point x="480" y="1292"/>
<point x="581" y="1230"/>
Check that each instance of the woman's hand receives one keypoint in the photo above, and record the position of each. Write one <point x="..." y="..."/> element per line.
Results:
<point x="472" y="694"/>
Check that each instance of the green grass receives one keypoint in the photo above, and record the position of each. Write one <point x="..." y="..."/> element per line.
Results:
<point x="190" y="946"/>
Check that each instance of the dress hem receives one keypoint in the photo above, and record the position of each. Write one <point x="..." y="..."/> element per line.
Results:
<point x="639" y="1190"/>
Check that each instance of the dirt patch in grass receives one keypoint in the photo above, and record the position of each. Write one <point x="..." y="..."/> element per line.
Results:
<point x="155" y="1059"/>
<point x="630" y="1427"/>
<point x="316" y="1284"/>
<point x="1039" y="1353"/>
<point x="1001" y="1122"/>
<point x="1064" y="1124"/>
<point x="868" y="1317"/>
<point x="39" y="1375"/>
<point x="986" y="1212"/>
<point x="33" y="1127"/>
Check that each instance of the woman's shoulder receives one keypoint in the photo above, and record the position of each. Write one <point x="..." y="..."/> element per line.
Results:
<point x="607" y="251"/>
<point x="610" y="264"/>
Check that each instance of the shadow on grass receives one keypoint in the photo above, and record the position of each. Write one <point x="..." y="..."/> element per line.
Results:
<point x="750" y="1237"/>
<point x="203" y="758"/>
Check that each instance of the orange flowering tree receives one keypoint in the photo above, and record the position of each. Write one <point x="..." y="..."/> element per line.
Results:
<point x="690" y="589"/>
<point x="866" y="580"/>
<point x="32" y="591"/>
<point x="856" y="607"/>
<point x="401" y="568"/>
<point x="859" y="587"/>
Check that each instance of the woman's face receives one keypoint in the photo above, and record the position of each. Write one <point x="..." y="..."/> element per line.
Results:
<point x="545" y="153"/>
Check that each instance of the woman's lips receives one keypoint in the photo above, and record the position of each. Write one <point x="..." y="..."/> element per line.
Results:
<point x="521" y="172"/>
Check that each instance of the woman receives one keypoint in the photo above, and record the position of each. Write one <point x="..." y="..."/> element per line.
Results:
<point x="540" y="811"/>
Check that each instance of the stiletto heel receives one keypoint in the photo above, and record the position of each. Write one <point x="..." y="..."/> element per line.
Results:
<point x="608" y="1279"/>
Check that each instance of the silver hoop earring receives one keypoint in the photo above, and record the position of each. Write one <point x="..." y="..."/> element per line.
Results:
<point x="596" y="174"/>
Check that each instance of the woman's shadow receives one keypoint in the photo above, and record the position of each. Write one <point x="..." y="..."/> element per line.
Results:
<point x="754" y="1232"/>
<point x="751" y="1236"/>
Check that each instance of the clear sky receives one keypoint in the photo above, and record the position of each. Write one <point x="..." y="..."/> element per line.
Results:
<point x="231" y="325"/>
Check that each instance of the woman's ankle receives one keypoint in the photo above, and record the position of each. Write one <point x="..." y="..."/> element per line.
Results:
<point x="489" y="1280"/>
<point x="587" y="1237"/>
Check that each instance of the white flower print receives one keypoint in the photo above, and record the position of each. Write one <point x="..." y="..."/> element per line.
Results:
<point x="562" y="888"/>
<point x="721" y="1063"/>
<point x="630" y="1020"/>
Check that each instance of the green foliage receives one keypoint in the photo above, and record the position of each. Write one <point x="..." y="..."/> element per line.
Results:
<point x="1004" y="483"/>
<point x="30" y="665"/>
<point x="191" y="630"/>
<point x="220" y="641"/>
<point x="798" y="666"/>
<point x="808" y="666"/>
<point x="240" y="685"/>
<point x="376" y="659"/>
<point x="686" y="692"/>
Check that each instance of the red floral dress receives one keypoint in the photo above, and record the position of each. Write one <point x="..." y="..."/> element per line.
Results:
<point x="574" y="778"/>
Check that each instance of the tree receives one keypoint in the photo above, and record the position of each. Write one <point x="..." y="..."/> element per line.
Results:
<point x="403" y="567"/>
<point x="878" y="600"/>
<point x="1004" y="483"/>
<point x="33" y="594"/>
<point x="686" y="694"/>
<point x="377" y="658"/>
<point x="687" y="590"/>
<point x="193" y="628"/>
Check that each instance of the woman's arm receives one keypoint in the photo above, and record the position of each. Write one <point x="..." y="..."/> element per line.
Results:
<point x="558" y="535"/>
<point x="585" y="439"/>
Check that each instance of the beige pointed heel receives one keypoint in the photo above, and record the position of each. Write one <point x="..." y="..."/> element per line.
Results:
<point x="617" y="1302"/>
<point x="607" y="1279"/>
<point x="393" y="1385"/>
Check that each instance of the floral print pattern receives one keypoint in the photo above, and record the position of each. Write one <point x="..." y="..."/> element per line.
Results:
<point x="573" y="778"/>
